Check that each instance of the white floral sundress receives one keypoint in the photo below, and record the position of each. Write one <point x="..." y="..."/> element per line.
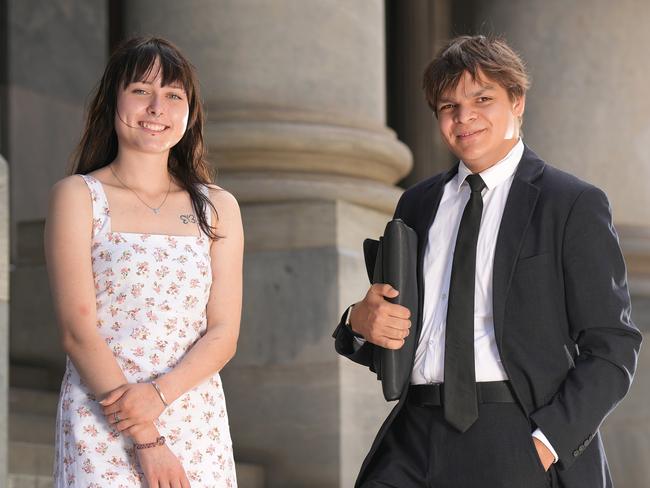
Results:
<point x="152" y="291"/>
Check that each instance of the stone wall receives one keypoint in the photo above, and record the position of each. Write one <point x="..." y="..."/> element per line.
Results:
<point x="58" y="51"/>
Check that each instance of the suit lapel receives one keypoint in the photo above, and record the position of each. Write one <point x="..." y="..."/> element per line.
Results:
<point x="517" y="213"/>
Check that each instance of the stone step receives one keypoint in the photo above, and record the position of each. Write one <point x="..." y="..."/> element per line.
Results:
<point x="31" y="459"/>
<point x="26" y="400"/>
<point x="30" y="481"/>
<point x="248" y="476"/>
<point x="30" y="466"/>
<point x="37" y="429"/>
<point x="32" y="415"/>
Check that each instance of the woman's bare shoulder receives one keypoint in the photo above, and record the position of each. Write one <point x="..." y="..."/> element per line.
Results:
<point x="70" y="184"/>
<point x="223" y="200"/>
<point x="70" y="191"/>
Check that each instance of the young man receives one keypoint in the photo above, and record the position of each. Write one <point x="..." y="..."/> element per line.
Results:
<point x="525" y="341"/>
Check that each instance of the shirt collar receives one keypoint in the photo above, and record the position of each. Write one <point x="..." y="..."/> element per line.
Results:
<point x="497" y="173"/>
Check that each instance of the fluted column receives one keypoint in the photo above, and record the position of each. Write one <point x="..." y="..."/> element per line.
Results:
<point x="295" y="92"/>
<point x="586" y="113"/>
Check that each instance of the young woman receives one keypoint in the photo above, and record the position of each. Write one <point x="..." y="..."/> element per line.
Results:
<point x="145" y="264"/>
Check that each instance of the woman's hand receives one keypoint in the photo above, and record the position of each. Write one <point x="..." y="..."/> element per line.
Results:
<point x="132" y="404"/>
<point x="162" y="468"/>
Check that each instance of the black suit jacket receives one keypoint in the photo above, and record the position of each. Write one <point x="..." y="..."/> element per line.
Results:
<point x="561" y="309"/>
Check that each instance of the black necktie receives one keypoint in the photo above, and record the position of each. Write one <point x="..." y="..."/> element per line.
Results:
<point x="460" y="405"/>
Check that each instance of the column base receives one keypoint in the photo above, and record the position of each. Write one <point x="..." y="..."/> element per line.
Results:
<point x="306" y="414"/>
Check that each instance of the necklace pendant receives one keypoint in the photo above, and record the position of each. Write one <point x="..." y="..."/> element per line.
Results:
<point x="156" y="210"/>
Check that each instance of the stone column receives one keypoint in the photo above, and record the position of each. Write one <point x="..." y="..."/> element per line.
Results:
<point x="295" y="92"/>
<point x="4" y="320"/>
<point x="586" y="113"/>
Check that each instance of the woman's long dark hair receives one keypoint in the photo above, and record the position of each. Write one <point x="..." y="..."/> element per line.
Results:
<point x="132" y="61"/>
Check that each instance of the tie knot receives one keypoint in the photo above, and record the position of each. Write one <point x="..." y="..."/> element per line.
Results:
<point x="475" y="182"/>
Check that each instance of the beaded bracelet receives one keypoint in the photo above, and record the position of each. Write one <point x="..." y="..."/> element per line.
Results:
<point x="158" y="442"/>
<point x="160" y="393"/>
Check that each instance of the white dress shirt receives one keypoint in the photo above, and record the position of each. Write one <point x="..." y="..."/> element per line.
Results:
<point x="438" y="257"/>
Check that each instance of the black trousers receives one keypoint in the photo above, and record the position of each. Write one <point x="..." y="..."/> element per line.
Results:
<point x="420" y="450"/>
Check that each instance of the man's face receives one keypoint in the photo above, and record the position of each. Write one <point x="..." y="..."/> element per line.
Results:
<point x="478" y="121"/>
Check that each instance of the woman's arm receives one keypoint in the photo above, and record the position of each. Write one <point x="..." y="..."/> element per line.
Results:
<point x="211" y="353"/>
<point x="217" y="346"/>
<point x="68" y="237"/>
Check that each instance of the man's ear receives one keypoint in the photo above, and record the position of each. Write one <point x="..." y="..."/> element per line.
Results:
<point x="519" y="105"/>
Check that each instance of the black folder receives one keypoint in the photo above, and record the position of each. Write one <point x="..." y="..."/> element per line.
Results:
<point x="393" y="259"/>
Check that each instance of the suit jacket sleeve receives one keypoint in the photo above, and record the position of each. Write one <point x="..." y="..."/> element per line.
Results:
<point x="598" y="310"/>
<point x="343" y="343"/>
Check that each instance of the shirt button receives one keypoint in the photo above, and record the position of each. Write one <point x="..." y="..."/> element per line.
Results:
<point x="444" y="296"/>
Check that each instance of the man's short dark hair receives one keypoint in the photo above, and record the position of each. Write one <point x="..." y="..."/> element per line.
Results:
<point x="491" y="56"/>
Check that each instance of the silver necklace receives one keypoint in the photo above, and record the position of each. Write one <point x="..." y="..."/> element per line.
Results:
<point x="155" y="210"/>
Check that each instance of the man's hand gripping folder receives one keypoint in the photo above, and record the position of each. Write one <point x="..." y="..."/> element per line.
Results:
<point x="393" y="260"/>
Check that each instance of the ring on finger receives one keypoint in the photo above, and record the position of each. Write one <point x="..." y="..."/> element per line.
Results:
<point x="116" y="418"/>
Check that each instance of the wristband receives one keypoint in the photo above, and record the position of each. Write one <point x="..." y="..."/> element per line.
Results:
<point x="158" y="442"/>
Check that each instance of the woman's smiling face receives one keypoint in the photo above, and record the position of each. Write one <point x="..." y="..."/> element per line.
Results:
<point x="150" y="117"/>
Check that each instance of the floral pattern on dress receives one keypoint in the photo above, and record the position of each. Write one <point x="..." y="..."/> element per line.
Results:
<point x="151" y="293"/>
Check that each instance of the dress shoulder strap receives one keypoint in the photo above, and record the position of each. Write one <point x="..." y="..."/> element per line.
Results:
<point x="101" y="212"/>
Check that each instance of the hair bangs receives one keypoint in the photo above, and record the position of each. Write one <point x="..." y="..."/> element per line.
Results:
<point x="140" y="62"/>
<point x="479" y="56"/>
